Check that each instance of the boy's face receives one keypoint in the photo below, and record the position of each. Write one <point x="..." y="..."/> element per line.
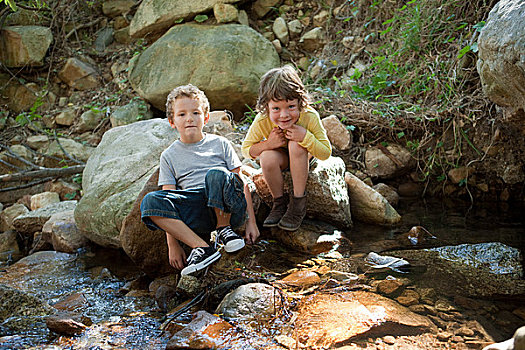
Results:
<point x="284" y="113"/>
<point x="189" y="119"/>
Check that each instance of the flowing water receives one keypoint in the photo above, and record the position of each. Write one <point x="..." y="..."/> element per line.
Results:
<point x="134" y="322"/>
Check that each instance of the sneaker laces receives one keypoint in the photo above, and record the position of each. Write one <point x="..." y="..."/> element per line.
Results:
<point x="195" y="254"/>
<point x="227" y="234"/>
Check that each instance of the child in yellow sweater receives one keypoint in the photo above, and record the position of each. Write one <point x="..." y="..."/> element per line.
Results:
<point x="287" y="133"/>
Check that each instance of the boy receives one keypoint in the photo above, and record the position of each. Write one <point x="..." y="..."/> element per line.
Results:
<point x="287" y="133"/>
<point x="201" y="188"/>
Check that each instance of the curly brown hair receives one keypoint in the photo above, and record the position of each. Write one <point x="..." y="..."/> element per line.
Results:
<point x="190" y="91"/>
<point x="280" y="84"/>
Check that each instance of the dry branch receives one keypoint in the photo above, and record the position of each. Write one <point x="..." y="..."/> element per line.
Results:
<point x="42" y="173"/>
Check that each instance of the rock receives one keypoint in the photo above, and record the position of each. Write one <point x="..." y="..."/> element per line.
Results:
<point x="303" y="279"/>
<point x="65" y="190"/>
<point x="114" y="176"/>
<point x="79" y="75"/>
<point x="368" y="205"/>
<point x="114" y="8"/>
<point x="72" y="302"/>
<point x="389" y="286"/>
<point x="63" y="233"/>
<point x="121" y="36"/>
<point x="252" y="301"/>
<point x="190" y="285"/>
<point x="243" y="18"/>
<point x="227" y="54"/>
<point x="19" y="310"/>
<point x="9" y="248"/>
<point x="325" y="319"/>
<point x="262" y="7"/>
<point x="473" y="277"/>
<point x="205" y="331"/>
<point x="408" y="297"/>
<point x="147" y="248"/>
<point x="134" y="111"/>
<point x="379" y="165"/>
<point x="38" y="142"/>
<point x="18" y="150"/>
<point x="295" y="28"/>
<point x="388" y="193"/>
<point x="24" y="45"/>
<point x="44" y="199"/>
<point x="313" y="39"/>
<point x="225" y="13"/>
<point x="513" y="174"/>
<point x="89" y="120"/>
<point x="65" y="324"/>
<point x="500" y="58"/>
<point x="458" y="175"/>
<point x="157" y="16"/>
<point x="337" y="133"/>
<point x="33" y="221"/>
<point x="75" y="149"/>
<point x="104" y="39"/>
<point x="66" y="118"/>
<point x="9" y="214"/>
<point x="312" y="237"/>
<point x="327" y="192"/>
<point x="280" y="30"/>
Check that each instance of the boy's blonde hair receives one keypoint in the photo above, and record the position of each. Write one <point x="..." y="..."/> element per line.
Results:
<point x="280" y="84"/>
<point x="189" y="91"/>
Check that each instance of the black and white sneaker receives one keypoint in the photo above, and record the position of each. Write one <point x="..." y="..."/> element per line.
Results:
<point x="200" y="258"/>
<point x="231" y="241"/>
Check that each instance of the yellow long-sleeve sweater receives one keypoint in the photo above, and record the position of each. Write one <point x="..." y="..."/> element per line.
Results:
<point x="315" y="140"/>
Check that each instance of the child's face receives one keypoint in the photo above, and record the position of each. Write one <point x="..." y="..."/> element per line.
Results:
<point x="284" y="113"/>
<point x="188" y="119"/>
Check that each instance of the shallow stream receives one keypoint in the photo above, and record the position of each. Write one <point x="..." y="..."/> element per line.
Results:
<point x="133" y="322"/>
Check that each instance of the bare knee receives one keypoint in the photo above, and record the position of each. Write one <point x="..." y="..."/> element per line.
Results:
<point x="271" y="160"/>
<point x="296" y="150"/>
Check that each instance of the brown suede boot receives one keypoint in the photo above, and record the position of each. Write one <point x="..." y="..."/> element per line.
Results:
<point x="295" y="214"/>
<point x="278" y="209"/>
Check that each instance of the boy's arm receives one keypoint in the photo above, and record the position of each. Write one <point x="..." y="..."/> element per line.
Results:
<point x="252" y="231"/>
<point x="168" y="187"/>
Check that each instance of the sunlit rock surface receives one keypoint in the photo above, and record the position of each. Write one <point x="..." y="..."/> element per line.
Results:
<point x="328" y="319"/>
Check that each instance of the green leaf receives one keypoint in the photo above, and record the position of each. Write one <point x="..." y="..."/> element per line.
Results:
<point x="400" y="134"/>
<point x="200" y="18"/>
<point x="479" y="26"/>
<point x="464" y="51"/>
<point x="178" y="20"/>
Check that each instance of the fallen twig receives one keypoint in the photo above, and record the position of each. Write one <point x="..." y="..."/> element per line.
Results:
<point x="44" y="172"/>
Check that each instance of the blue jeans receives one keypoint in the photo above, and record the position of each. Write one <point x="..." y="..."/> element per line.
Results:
<point x="222" y="189"/>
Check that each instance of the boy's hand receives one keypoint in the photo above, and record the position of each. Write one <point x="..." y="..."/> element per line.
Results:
<point x="252" y="232"/>
<point x="276" y="139"/>
<point x="177" y="256"/>
<point x="295" y="133"/>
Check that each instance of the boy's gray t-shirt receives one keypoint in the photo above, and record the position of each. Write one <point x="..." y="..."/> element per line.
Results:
<point x="185" y="164"/>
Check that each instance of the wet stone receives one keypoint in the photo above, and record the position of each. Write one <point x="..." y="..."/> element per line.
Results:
<point x="205" y="331"/>
<point x="67" y="324"/>
<point x="301" y="279"/>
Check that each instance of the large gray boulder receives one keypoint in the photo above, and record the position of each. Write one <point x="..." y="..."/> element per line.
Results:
<point x="24" y="45"/>
<point x="116" y="173"/>
<point x="225" y="61"/>
<point x="155" y="16"/>
<point x="501" y="62"/>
